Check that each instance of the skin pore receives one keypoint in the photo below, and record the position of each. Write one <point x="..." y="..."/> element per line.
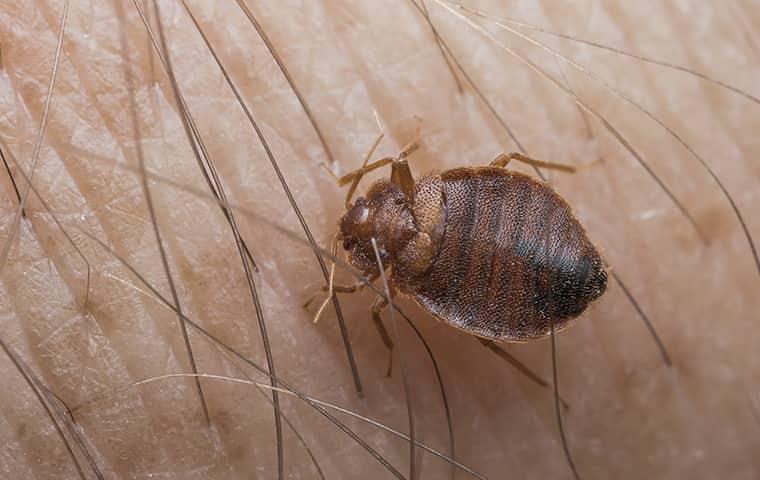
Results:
<point x="630" y="416"/>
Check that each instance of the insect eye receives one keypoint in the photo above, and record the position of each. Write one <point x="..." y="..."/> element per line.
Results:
<point x="363" y="215"/>
<point x="347" y="244"/>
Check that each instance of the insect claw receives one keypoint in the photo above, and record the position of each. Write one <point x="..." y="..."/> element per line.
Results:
<point x="321" y="309"/>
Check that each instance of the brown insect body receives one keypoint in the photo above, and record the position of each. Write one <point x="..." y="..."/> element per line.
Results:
<point x="487" y="250"/>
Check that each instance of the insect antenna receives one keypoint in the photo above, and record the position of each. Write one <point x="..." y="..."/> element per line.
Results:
<point x="355" y="177"/>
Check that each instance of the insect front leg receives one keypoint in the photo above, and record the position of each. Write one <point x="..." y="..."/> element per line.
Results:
<point x="331" y="290"/>
<point x="377" y="307"/>
<point x="504" y="159"/>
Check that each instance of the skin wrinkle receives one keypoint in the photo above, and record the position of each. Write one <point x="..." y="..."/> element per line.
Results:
<point x="124" y="142"/>
<point x="629" y="417"/>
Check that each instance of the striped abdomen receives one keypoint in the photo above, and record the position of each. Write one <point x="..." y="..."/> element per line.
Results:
<point x="512" y="257"/>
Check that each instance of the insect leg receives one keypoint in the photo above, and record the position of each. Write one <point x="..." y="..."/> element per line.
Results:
<point x="330" y="289"/>
<point x="377" y="307"/>
<point x="356" y="287"/>
<point x="333" y="289"/>
<point x="504" y="159"/>
<point x="521" y="367"/>
<point x="336" y="289"/>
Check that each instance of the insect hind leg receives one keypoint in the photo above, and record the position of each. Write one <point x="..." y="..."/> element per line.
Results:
<point x="517" y="364"/>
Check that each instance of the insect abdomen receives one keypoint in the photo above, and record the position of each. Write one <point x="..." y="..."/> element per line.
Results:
<point x="512" y="258"/>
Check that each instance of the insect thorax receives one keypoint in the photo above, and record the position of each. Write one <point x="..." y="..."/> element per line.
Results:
<point x="407" y="230"/>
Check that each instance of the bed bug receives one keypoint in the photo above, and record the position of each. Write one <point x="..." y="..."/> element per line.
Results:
<point x="484" y="249"/>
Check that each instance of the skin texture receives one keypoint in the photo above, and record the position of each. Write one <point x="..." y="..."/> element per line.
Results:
<point x="630" y="416"/>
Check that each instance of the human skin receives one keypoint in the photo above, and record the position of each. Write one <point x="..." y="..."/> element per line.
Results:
<point x="630" y="415"/>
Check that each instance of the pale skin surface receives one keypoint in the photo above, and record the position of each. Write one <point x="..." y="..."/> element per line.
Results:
<point x="630" y="416"/>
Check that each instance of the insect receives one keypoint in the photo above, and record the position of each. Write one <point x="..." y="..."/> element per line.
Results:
<point x="487" y="250"/>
